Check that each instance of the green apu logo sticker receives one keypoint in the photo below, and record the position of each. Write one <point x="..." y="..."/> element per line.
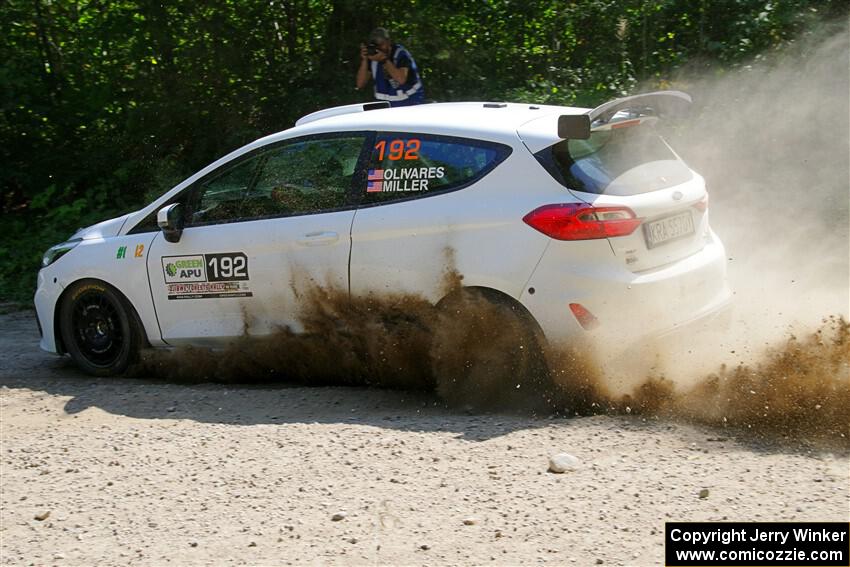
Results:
<point x="184" y="269"/>
<point x="122" y="253"/>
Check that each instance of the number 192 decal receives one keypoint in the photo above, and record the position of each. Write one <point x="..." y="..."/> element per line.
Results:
<point x="227" y="267"/>
<point x="398" y="149"/>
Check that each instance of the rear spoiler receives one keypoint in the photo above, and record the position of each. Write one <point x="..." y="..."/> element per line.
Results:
<point x="658" y="103"/>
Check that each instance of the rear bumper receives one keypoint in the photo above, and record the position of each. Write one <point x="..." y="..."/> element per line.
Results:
<point x="628" y="306"/>
<point x="716" y="316"/>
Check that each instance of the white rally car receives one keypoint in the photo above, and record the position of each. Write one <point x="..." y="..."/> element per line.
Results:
<point x="578" y="219"/>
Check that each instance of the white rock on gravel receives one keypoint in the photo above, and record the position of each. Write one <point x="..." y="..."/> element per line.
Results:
<point x="562" y="462"/>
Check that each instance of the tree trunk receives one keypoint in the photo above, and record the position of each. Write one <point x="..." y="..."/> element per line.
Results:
<point x="50" y="67"/>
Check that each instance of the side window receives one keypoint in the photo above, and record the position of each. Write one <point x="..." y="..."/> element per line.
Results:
<point x="298" y="177"/>
<point x="404" y="166"/>
<point x="312" y="175"/>
<point x="223" y="197"/>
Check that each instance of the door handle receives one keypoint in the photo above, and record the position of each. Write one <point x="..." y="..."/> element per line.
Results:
<point x="321" y="238"/>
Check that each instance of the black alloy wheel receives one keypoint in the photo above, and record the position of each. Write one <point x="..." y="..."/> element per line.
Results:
<point x="98" y="329"/>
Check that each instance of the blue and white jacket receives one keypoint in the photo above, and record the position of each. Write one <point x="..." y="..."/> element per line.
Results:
<point x="411" y="92"/>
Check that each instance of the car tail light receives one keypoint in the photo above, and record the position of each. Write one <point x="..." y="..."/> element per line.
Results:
<point x="579" y="221"/>
<point x="702" y="204"/>
<point x="585" y="318"/>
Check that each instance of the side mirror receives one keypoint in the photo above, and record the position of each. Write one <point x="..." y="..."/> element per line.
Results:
<point x="170" y="221"/>
<point x="574" y="126"/>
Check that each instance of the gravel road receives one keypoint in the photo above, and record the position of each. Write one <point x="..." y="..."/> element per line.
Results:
<point x="145" y="472"/>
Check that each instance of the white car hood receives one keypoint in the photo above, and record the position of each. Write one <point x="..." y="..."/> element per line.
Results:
<point x="105" y="229"/>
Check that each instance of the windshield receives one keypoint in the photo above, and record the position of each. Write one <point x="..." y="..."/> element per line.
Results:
<point x="618" y="161"/>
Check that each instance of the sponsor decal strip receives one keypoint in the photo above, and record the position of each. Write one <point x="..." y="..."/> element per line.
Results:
<point x="201" y="290"/>
<point x="201" y="276"/>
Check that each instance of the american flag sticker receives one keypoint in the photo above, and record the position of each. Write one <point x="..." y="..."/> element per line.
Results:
<point x="374" y="186"/>
<point x="376" y="175"/>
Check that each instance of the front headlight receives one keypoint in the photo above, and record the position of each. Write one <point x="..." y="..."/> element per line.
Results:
<point x="56" y="252"/>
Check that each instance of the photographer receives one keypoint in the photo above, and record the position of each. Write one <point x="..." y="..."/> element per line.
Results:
<point x="393" y="69"/>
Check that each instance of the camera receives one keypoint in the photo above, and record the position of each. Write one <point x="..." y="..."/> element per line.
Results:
<point x="372" y="48"/>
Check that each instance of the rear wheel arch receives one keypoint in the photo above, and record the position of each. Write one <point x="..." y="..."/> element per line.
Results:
<point x="481" y="357"/>
<point x="501" y="298"/>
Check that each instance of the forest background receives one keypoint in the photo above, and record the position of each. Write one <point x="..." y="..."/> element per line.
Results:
<point x="107" y="104"/>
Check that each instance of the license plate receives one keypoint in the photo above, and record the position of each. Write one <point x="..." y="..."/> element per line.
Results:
<point x="671" y="228"/>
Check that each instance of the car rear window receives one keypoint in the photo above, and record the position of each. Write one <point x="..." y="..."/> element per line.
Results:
<point x="619" y="161"/>
<point x="409" y="166"/>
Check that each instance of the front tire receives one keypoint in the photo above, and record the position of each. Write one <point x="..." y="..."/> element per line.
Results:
<point x="98" y="328"/>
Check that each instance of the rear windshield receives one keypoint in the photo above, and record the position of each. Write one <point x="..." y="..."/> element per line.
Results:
<point x="622" y="161"/>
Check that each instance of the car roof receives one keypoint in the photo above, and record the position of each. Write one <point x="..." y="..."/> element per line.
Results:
<point x="496" y="122"/>
<point x="535" y="125"/>
<point x="477" y="119"/>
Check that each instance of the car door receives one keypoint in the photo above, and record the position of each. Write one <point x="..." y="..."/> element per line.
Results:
<point x="261" y="233"/>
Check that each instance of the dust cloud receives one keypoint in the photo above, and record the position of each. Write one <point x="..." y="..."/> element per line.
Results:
<point x="373" y="341"/>
<point x="480" y="356"/>
<point x="800" y="389"/>
<point x="772" y="141"/>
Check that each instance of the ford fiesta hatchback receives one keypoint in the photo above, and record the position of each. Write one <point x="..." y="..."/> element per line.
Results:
<point x="579" y="220"/>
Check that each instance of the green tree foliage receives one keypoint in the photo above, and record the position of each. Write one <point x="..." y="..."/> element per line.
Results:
<point x="106" y="104"/>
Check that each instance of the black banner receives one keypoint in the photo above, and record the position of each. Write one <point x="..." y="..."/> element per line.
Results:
<point x="227" y="267"/>
<point x="757" y="544"/>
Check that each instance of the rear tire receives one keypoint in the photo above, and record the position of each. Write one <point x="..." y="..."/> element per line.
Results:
<point x="486" y="355"/>
<point x="99" y="328"/>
